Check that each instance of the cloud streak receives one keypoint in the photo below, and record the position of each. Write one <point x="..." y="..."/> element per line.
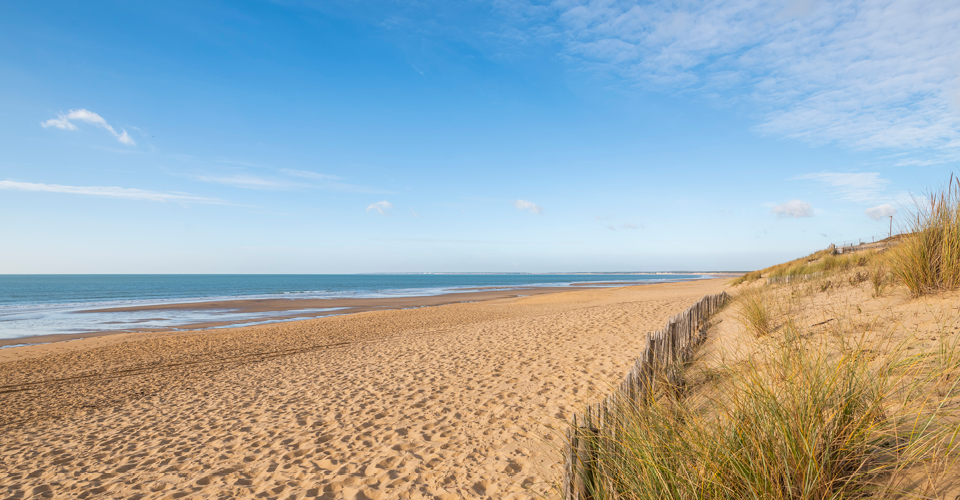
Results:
<point x="625" y="225"/>
<point x="245" y="181"/>
<point x="330" y="182"/>
<point x="858" y="187"/>
<point x="303" y="180"/>
<point x="110" y="192"/>
<point x="306" y="174"/>
<point x="65" y="122"/>
<point x="864" y="73"/>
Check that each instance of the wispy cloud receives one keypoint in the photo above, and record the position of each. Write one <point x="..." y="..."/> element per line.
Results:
<point x="65" y="122"/>
<point x="110" y="192"/>
<point x="303" y="179"/>
<point x="793" y="209"/>
<point x="625" y="225"/>
<point x="331" y="182"/>
<point x="864" y="73"/>
<point x="381" y="207"/>
<point x="246" y="181"/>
<point x="306" y="174"/>
<point x="414" y="212"/>
<point x="911" y="200"/>
<point x="528" y="205"/>
<point x="858" y="187"/>
<point x="881" y="211"/>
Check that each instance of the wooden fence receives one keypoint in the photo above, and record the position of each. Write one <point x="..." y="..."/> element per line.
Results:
<point x="661" y="362"/>
<point x="862" y="247"/>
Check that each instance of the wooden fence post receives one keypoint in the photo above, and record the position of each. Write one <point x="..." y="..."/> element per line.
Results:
<point x="662" y="359"/>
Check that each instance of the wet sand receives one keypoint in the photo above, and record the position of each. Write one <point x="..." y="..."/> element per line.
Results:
<point x="464" y="400"/>
<point x="280" y="306"/>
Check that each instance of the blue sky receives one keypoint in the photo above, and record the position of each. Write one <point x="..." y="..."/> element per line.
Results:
<point x="329" y="137"/>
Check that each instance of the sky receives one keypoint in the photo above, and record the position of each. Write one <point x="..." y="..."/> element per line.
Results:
<point x="478" y="136"/>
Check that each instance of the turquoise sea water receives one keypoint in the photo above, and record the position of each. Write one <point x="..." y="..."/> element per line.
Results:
<point x="49" y="304"/>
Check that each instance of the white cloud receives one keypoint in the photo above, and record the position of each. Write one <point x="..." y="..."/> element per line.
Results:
<point x="306" y="174"/>
<point x="858" y="187"/>
<point x="329" y="182"/>
<point x="59" y="122"/>
<point x="881" y="211"/>
<point x="110" y="192"/>
<point x="793" y="209"/>
<point x="381" y="207"/>
<point x="625" y="225"/>
<point x="126" y="139"/>
<point x="864" y="73"/>
<point x="246" y="181"/>
<point x="415" y="214"/>
<point x="65" y="122"/>
<point x="528" y="205"/>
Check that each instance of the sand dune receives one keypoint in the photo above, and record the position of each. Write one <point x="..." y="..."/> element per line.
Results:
<point x="454" y="401"/>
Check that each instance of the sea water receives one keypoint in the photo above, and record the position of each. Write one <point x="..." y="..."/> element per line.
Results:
<point x="49" y="304"/>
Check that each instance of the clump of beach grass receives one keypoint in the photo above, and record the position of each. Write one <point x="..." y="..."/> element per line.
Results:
<point x="753" y="312"/>
<point x="927" y="260"/>
<point x="879" y="280"/>
<point x="798" y="420"/>
<point x="746" y="278"/>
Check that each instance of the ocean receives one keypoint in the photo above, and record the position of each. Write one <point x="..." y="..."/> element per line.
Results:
<point x="48" y="304"/>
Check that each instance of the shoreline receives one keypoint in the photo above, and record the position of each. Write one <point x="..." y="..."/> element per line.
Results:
<point x="341" y="307"/>
<point x="291" y="310"/>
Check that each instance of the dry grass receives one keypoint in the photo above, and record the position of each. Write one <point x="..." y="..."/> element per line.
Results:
<point x="753" y="312"/>
<point x="879" y="280"/>
<point x="810" y="415"/>
<point x="927" y="260"/>
<point x="747" y="278"/>
<point x="822" y="261"/>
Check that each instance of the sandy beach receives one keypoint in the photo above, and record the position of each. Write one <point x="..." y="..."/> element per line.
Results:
<point x="454" y="401"/>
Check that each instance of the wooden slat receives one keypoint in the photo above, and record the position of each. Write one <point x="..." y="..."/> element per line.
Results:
<point x="663" y="356"/>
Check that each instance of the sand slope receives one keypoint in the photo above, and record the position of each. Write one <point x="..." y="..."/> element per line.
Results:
<point x="443" y="402"/>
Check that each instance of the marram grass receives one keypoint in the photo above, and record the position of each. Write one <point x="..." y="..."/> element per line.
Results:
<point x="927" y="260"/>
<point x="746" y="278"/>
<point x="753" y="311"/>
<point x="795" y="421"/>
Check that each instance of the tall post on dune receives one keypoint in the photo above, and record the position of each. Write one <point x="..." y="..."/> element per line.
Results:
<point x="891" y="227"/>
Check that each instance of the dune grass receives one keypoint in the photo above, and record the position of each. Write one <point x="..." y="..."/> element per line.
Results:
<point x="927" y="260"/>
<point x="746" y="278"/>
<point x="752" y="310"/>
<point x="805" y="417"/>
<point x="822" y="261"/>
<point x="879" y="279"/>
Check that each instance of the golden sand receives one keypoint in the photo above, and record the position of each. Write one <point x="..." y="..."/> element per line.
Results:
<point x="454" y="401"/>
